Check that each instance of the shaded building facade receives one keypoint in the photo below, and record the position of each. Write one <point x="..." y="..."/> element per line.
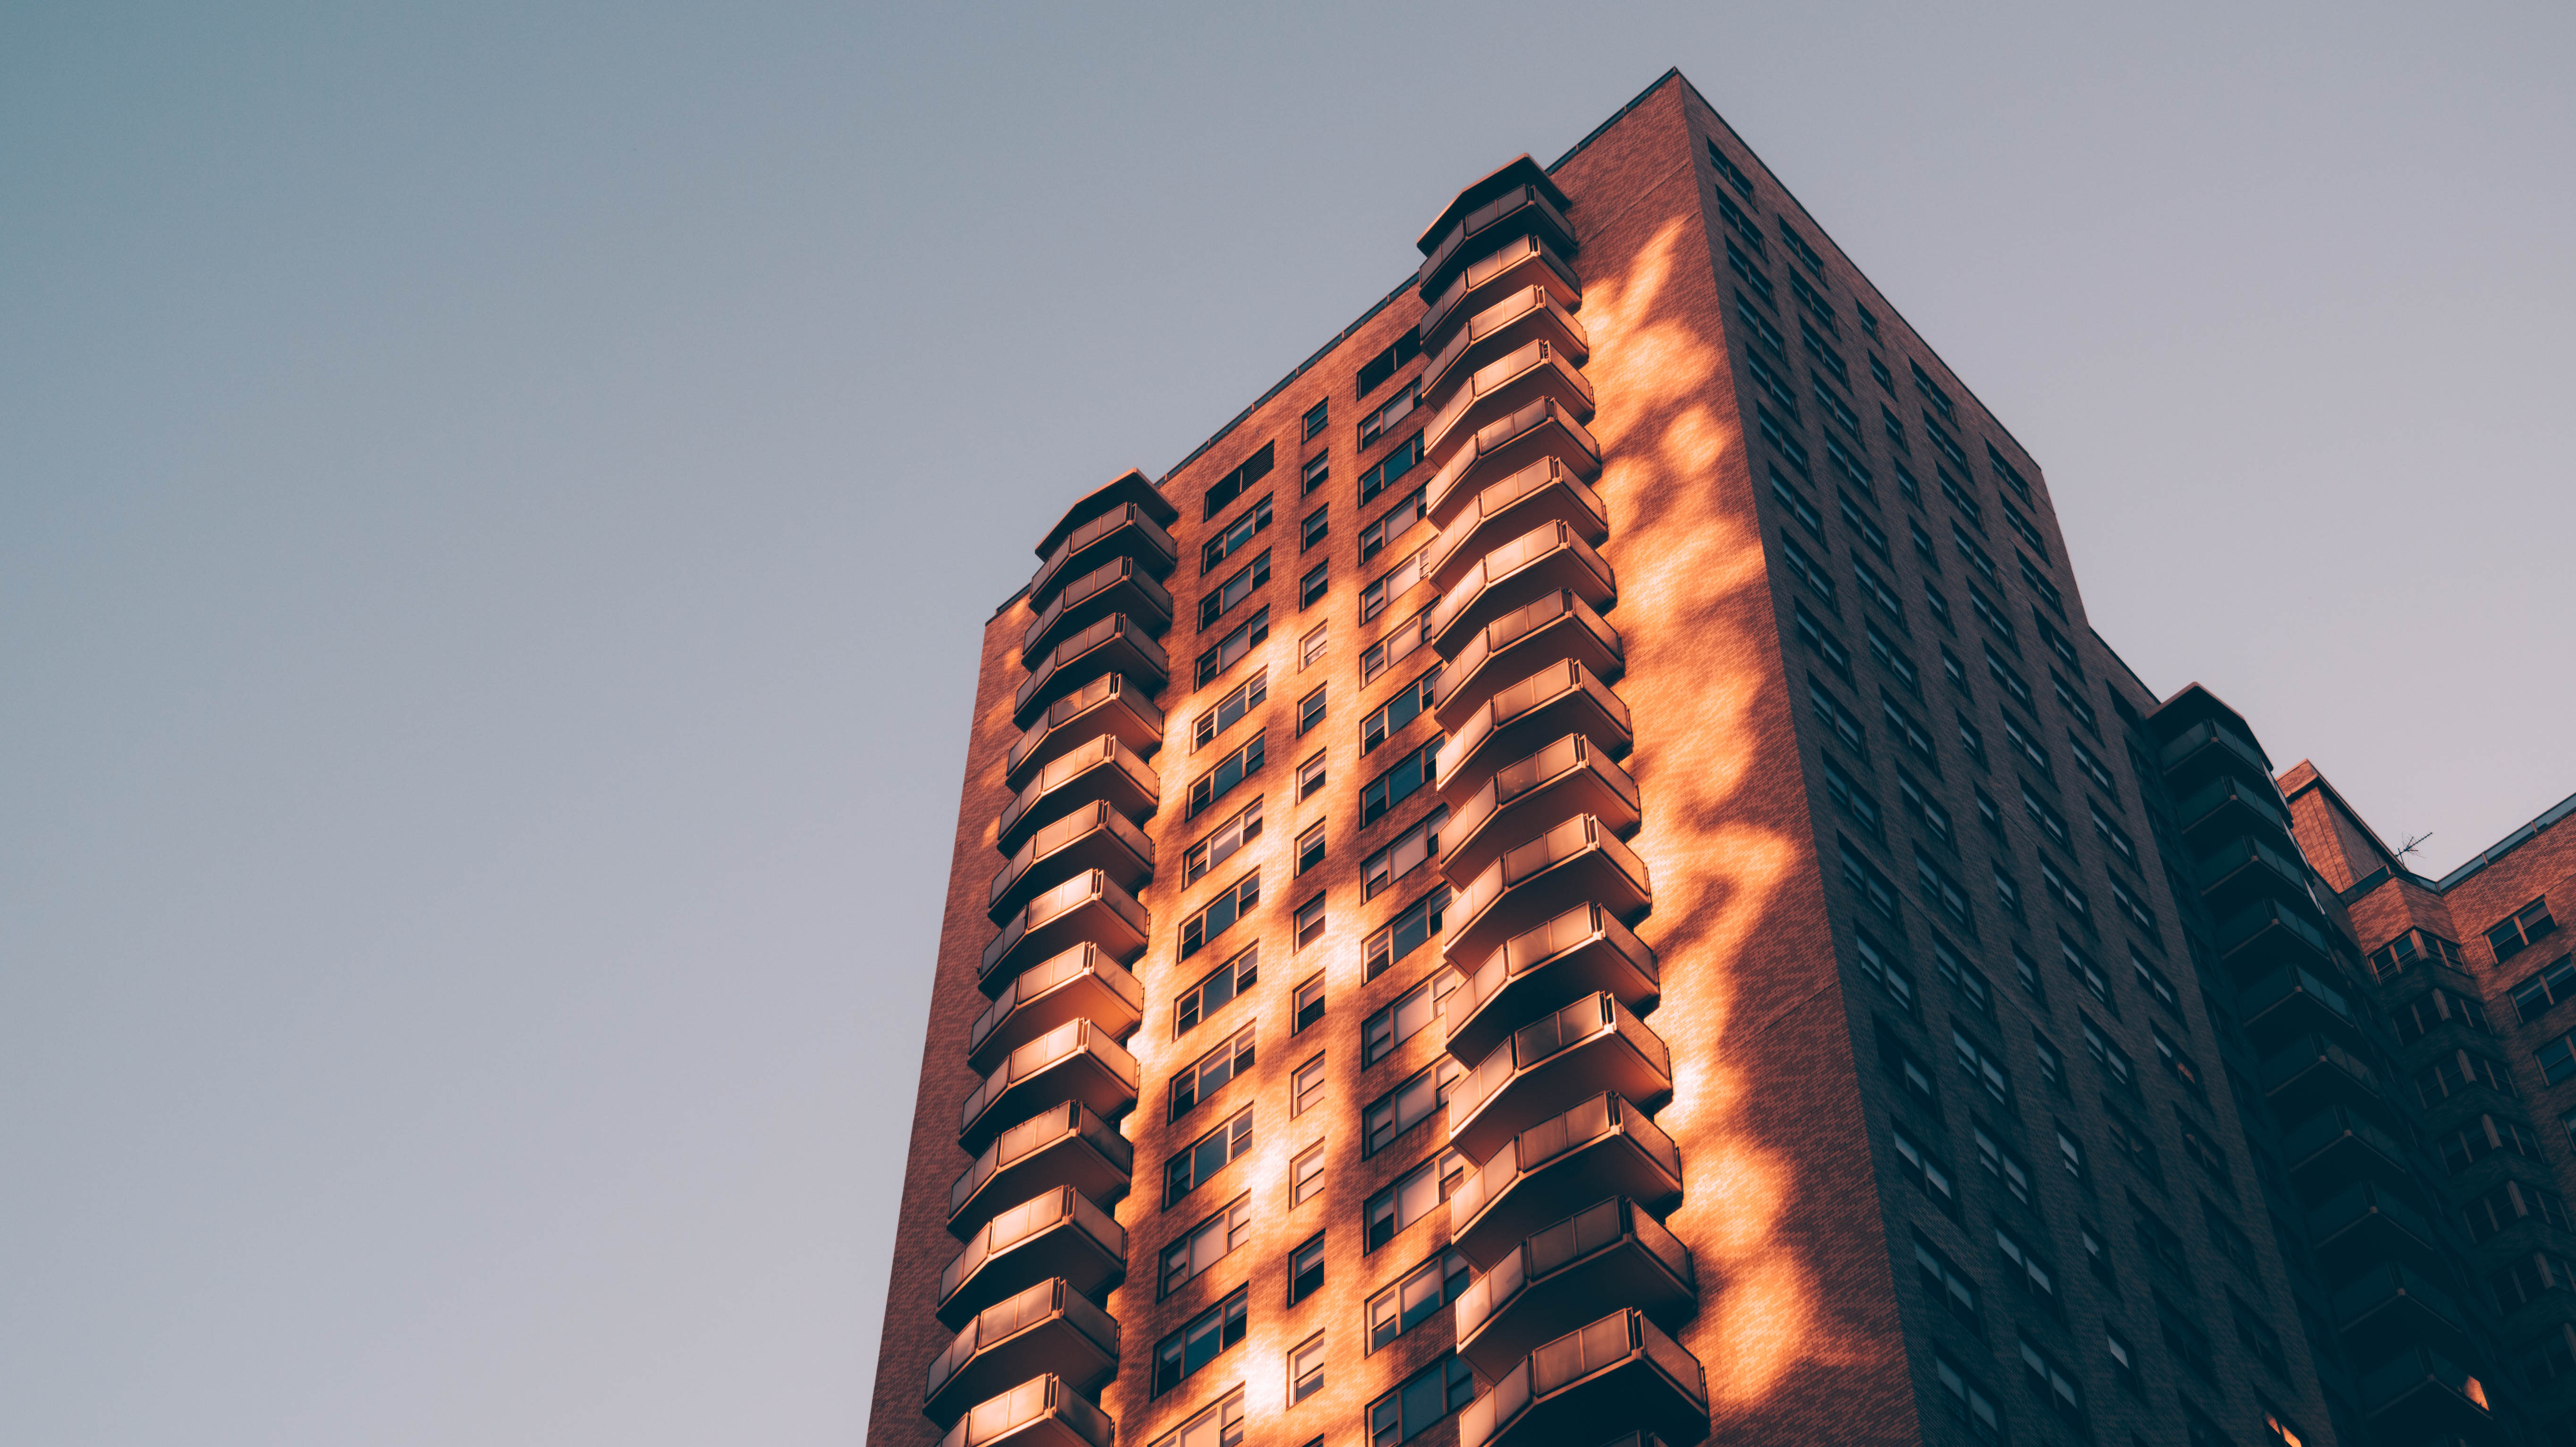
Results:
<point x="1577" y="875"/>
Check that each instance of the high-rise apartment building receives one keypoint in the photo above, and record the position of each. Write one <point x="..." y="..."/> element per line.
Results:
<point x="1577" y="875"/>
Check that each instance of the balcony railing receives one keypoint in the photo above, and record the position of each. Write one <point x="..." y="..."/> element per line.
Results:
<point x="2267" y="935"/>
<point x="1584" y="951"/>
<point x="1602" y="1147"/>
<point x="2335" y="1147"/>
<point x="1620" y="1371"/>
<point x="2367" y="1222"/>
<point x="1503" y="446"/>
<point x="1074" y="1061"/>
<point x="1056" y="1234"/>
<point x="1084" y="908"/>
<point x="1079" y="984"/>
<point x="1523" y="210"/>
<point x="1049" y="1329"/>
<point x="2421" y="1393"/>
<point x="1552" y="630"/>
<point x="1115" y="644"/>
<point x="1131" y="487"/>
<point x="1532" y="370"/>
<point x="2392" y="1307"/>
<point x="2211" y="734"/>
<point x="1105" y="768"/>
<point x="1610" y="1254"/>
<point x="2248" y="867"/>
<point x="1576" y="1052"/>
<point x="2223" y="807"/>
<point x="1528" y="261"/>
<point x="1123" y="531"/>
<point x="1549" y="559"/>
<point x="1069" y="1146"/>
<point x="1527" y="797"/>
<point x="1531" y="313"/>
<point x="1040" y="1412"/>
<point x="1116" y="586"/>
<point x="1107" y="705"/>
<point x="2312" y="1071"/>
<point x="1095" y="838"/>
<point x="1545" y="491"/>
<point x="1578" y="860"/>
<point x="1559" y="699"/>
<point x="2291" y="1001"/>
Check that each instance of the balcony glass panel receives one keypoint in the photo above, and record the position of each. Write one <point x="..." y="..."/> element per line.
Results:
<point x="1578" y="1050"/>
<point x="1075" y="1061"/>
<point x="1048" y="1328"/>
<point x="1058" y="1234"/>
<point x="1583" y="951"/>
<point x="1111" y="645"/>
<point x="1531" y="313"/>
<point x="1519" y="720"/>
<point x="1105" y="768"/>
<point x="1108" y="705"/>
<point x="1123" y="531"/>
<point x="1524" y="210"/>
<point x="1545" y="491"/>
<point x="1067" y="1146"/>
<point x="1524" y="261"/>
<point x="1040" y="1412"/>
<point x="1095" y="838"/>
<point x="1618" y="1371"/>
<point x="1086" y="907"/>
<point x="1552" y="630"/>
<point x="1079" y="983"/>
<point x="1549" y="559"/>
<point x="1603" y="1146"/>
<point x="1116" y="586"/>
<point x="1529" y="796"/>
<point x="1579" y="859"/>
<point x="1505" y="445"/>
<point x="1503" y="386"/>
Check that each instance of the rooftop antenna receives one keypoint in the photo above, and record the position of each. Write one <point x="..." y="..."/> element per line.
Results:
<point x="2411" y="842"/>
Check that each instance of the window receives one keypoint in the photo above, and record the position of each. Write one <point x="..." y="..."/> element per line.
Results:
<point x="1235" y="538"/>
<point x="2509" y="1203"/>
<point x="2057" y="644"/>
<point x="2052" y="1065"/>
<point x="1967" y="1400"/>
<point x="1934" y="819"/>
<point x="1904" y="726"/>
<point x="1220" y="913"/>
<point x="1953" y="669"/>
<point x="1394" y="409"/>
<point x="1234" y="484"/>
<point x="1797" y="504"/>
<point x="2415" y="1018"/>
<point x="2552" y="984"/>
<point x="1310" y="710"/>
<point x="1317" y="526"/>
<point x="1306" y="1369"/>
<point x="2457" y="1070"/>
<point x="1222" y="598"/>
<point x="1394" y="583"/>
<point x="2521" y="929"/>
<point x="1926" y="1171"/>
<point x="2410" y="949"/>
<point x="1426" y="1399"/>
<point x="1832" y="359"/>
<point x="2081" y="966"/>
<point x="2022" y="743"/>
<point x="1417" y="1298"/>
<point x="1813" y="301"/>
<point x="1407" y="932"/>
<point x="1867" y="881"/>
<point x="1390" y="717"/>
<point x="1395" y="647"/>
<point x="1807" y="569"/>
<point x="2196" y="1144"/>
<point x="2483" y="1136"/>
<point x="2532" y="1275"/>
<point x="1316" y="417"/>
<point x="1940" y="607"/>
<point x="1849" y="797"/>
<point x="1306" y="1175"/>
<point x="1207" y="1243"/>
<point x="1310" y="847"/>
<point x="1736" y="220"/>
<point x="1727" y="168"/>
<point x="2011" y="479"/>
<point x="2135" y="912"/>
<point x="1877" y="368"/>
<point x="2050" y="1384"/>
<point x="1306" y="1087"/>
<point x="2007" y="892"/>
<point x="1875" y="589"/>
<point x="2153" y="981"/>
<point x="2070" y="1154"/>
<point x="1317" y="582"/>
<point x="2122" y="847"/>
<point x="2030" y="577"/>
<point x="2004" y="674"/>
<point x="1222" y="843"/>
<point x="1200" y="1341"/>
<point x="1895" y="431"/>
<point x="2163" y="1247"/>
<point x="1190" y="1169"/>
<point x="1892" y="977"/>
<point x="1391" y="524"/>
<point x="1215" y="991"/>
<point x="1311" y="647"/>
<point x="1970" y="982"/>
<point x="1770" y="381"/>
<point x="1230" y="710"/>
<point x="1789" y="447"/>
<point x="1943" y="442"/>
<point x="1411" y="1197"/>
<point x="1889" y="657"/>
<point x="1972" y="741"/>
<point x="1422" y="1095"/>
<point x="2091" y="766"/>
<point x="1397" y="462"/>
<point x="2177" y="1062"/>
<point x="2229" y="1238"/>
<point x="2028" y="969"/>
<point x="1308" y="1003"/>
<point x="1310" y="777"/>
<point x="1833" y="407"/>
<point x="1980" y="1066"/>
<point x="1198" y="1081"/>
<point x="1220" y="1425"/>
<point x="2004" y="1164"/>
<point x="1907" y="1071"/>
<point x="2050" y="822"/>
<point x="1251" y="633"/>
<point x="1398" y="782"/>
<point x="1308" y="922"/>
<point x="1945" y="1282"/>
<point x="1306" y="1268"/>
<point x="1842" y="721"/>
<point x="1819" y="642"/>
<point x="1402" y="1018"/>
<point x="2258" y="1336"/>
<point x="1940" y="890"/>
<point x="1317" y="471"/>
<point x="1743" y="267"/>
<point x="2097" y="1257"/>
<point x="1411" y="850"/>
<point x="2130" y="1142"/>
<point x="1375" y="371"/>
<point x="2124" y="1363"/>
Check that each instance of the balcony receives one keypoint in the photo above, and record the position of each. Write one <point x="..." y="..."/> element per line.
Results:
<point x="1549" y="559"/>
<point x="2425" y="1394"/>
<point x="1108" y="705"/>
<point x="1048" y="1330"/>
<point x="1105" y="768"/>
<point x="2365" y="1224"/>
<point x="1125" y="531"/>
<point x="1084" y="909"/>
<point x="1543" y="492"/>
<point x="2312" y="1072"/>
<point x="1517" y="721"/>
<point x="1567" y="779"/>
<point x="2290" y="1002"/>
<point x="1129" y="488"/>
<point x="1529" y="314"/>
<point x="1554" y="630"/>
<point x="2210" y="748"/>
<point x="1584" y="951"/>
<point x="1528" y="261"/>
<point x="1058" y="1234"/>
<point x="1115" y="644"/>
<point x="2229" y="807"/>
<point x="1074" y="1061"/>
<point x="1116" y="586"/>
<point x="1608" y="1255"/>
<point x="1621" y="1371"/>
<point x="1570" y="1054"/>
<point x="1578" y="861"/>
<point x="1526" y="374"/>
<point x="1539" y="431"/>
<point x="2391" y="1308"/>
<point x="1066" y="1147"/>
<point x="2266" y="936"/>
<point x="1461" y="237"/>
<point x="1080" y="984"/>
<point x="2248" y="870"/>
<point x="1095" y="838"/>
<point x="2335" y="1148"/>
<point x="1602" y="1147"/>
<point x="1040" y="1412"/>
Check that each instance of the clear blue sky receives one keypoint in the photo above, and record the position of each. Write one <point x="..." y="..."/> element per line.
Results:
<point x="497" y="503"/>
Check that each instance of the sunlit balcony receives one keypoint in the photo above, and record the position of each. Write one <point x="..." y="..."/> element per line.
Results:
<point x="1546" y="491"/>
<point x="1464" y="233"/>
<point x="1068" y="1146"/>
<point x="1109" y="705"/>
<point x="1620" y="1371"/>
<point x="1549" y="559"/>
<point x="1084" y="909"/>
<point x="1095" y="838"/>
<point x="1080" y="984"/>
<point x="1126" y="531"/>
<point x="2393" y="1307"/>
<point x="1116" y="586"/>
<point x="2423" y="1394"/>
<point x="1609" y="1255"/>
<point x="1115" y="644"/>
<point x="1526" y="374"/>
<point x="1102" y="769"/>
<point x="1569" y="1054"/>
<point x="2336" y="1147"/>
<point x="2313" y="1072"/>
<point x="1048" y="1330"/>
<point x="1582" y="952"/>
<point x="1602" y="1147"/>
<point x="1541" y="430"/>
<point x="1578" y="861"/>
<point x="1040" y="1412"/>
<point x="1074" y="1061"/>
<point x="1517" y="721"/>
<point x="1523" y="262"/>
<point x="2367" y="1223"/>
<point x="2289" y="1002"/>
<point x="2266" y="936"/>
<point x="1511" y="320"/>
<point x="1527" y="797"/>
<point x="1525" y="641"/>
<point x="1056" y="1234"/>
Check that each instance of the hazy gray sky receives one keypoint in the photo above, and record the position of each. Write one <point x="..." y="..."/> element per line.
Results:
<point x="497" y="504"/>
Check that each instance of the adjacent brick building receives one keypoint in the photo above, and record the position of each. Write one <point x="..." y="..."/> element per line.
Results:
<point x="1577" y="874"/>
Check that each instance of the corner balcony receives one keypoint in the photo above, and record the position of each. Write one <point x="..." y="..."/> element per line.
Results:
<point x="1095" y="838"/>
<point x="1084" y="909"/>
<point x="1125" y="531"/>
<point x="1111" y="705"/>
<point x="1511" y="320"/>
<point x="1549" y="559"/>
<point x="1068" y="1146"/>
<point x="2392" y="1308"/>
<point x="1074" y="1061"/>
<point x="1517" y="721"/>
<point x="1568" y="1055"/>
<point x="2425" y="1394"/>
<point x="1040" y="1412"/>
<point x="2228" y="807"/>
<point x="1608" y="1255"/>
<point x="1130" y="487"/>
<point x="1602" y="1147"/>
<point x="2334" y="1148"/>
<point x="2209" y="748"/>
<point x="1579" y="861"/>
<point x="1541" y="430"/>
<point x="1546" y="491"/>
<point x="1058" y="1234"/>
<point x="2247" y="870"/>
<point x="1552" y="630"/>
<point x="1048" y="1330"/>
<point x="1079" y="984"/>
<point x="1461" y="236"/>
<point x="1584" y="951"/>
<point x="1104" y="768"/>
<point x="1527" y="797"/>
<point x="2266" y="936"/>
<point x="1528" y="373"/>
<point x="2312" y="1072"/>
<point x="2365" y="1224"/>
<point x="1116" y="586"/>
<point x="2290" y="1002"/>
<point x="1115" y="644"/>
<point x="1621" y="1371"/>
<point x="1526" y="261"/>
